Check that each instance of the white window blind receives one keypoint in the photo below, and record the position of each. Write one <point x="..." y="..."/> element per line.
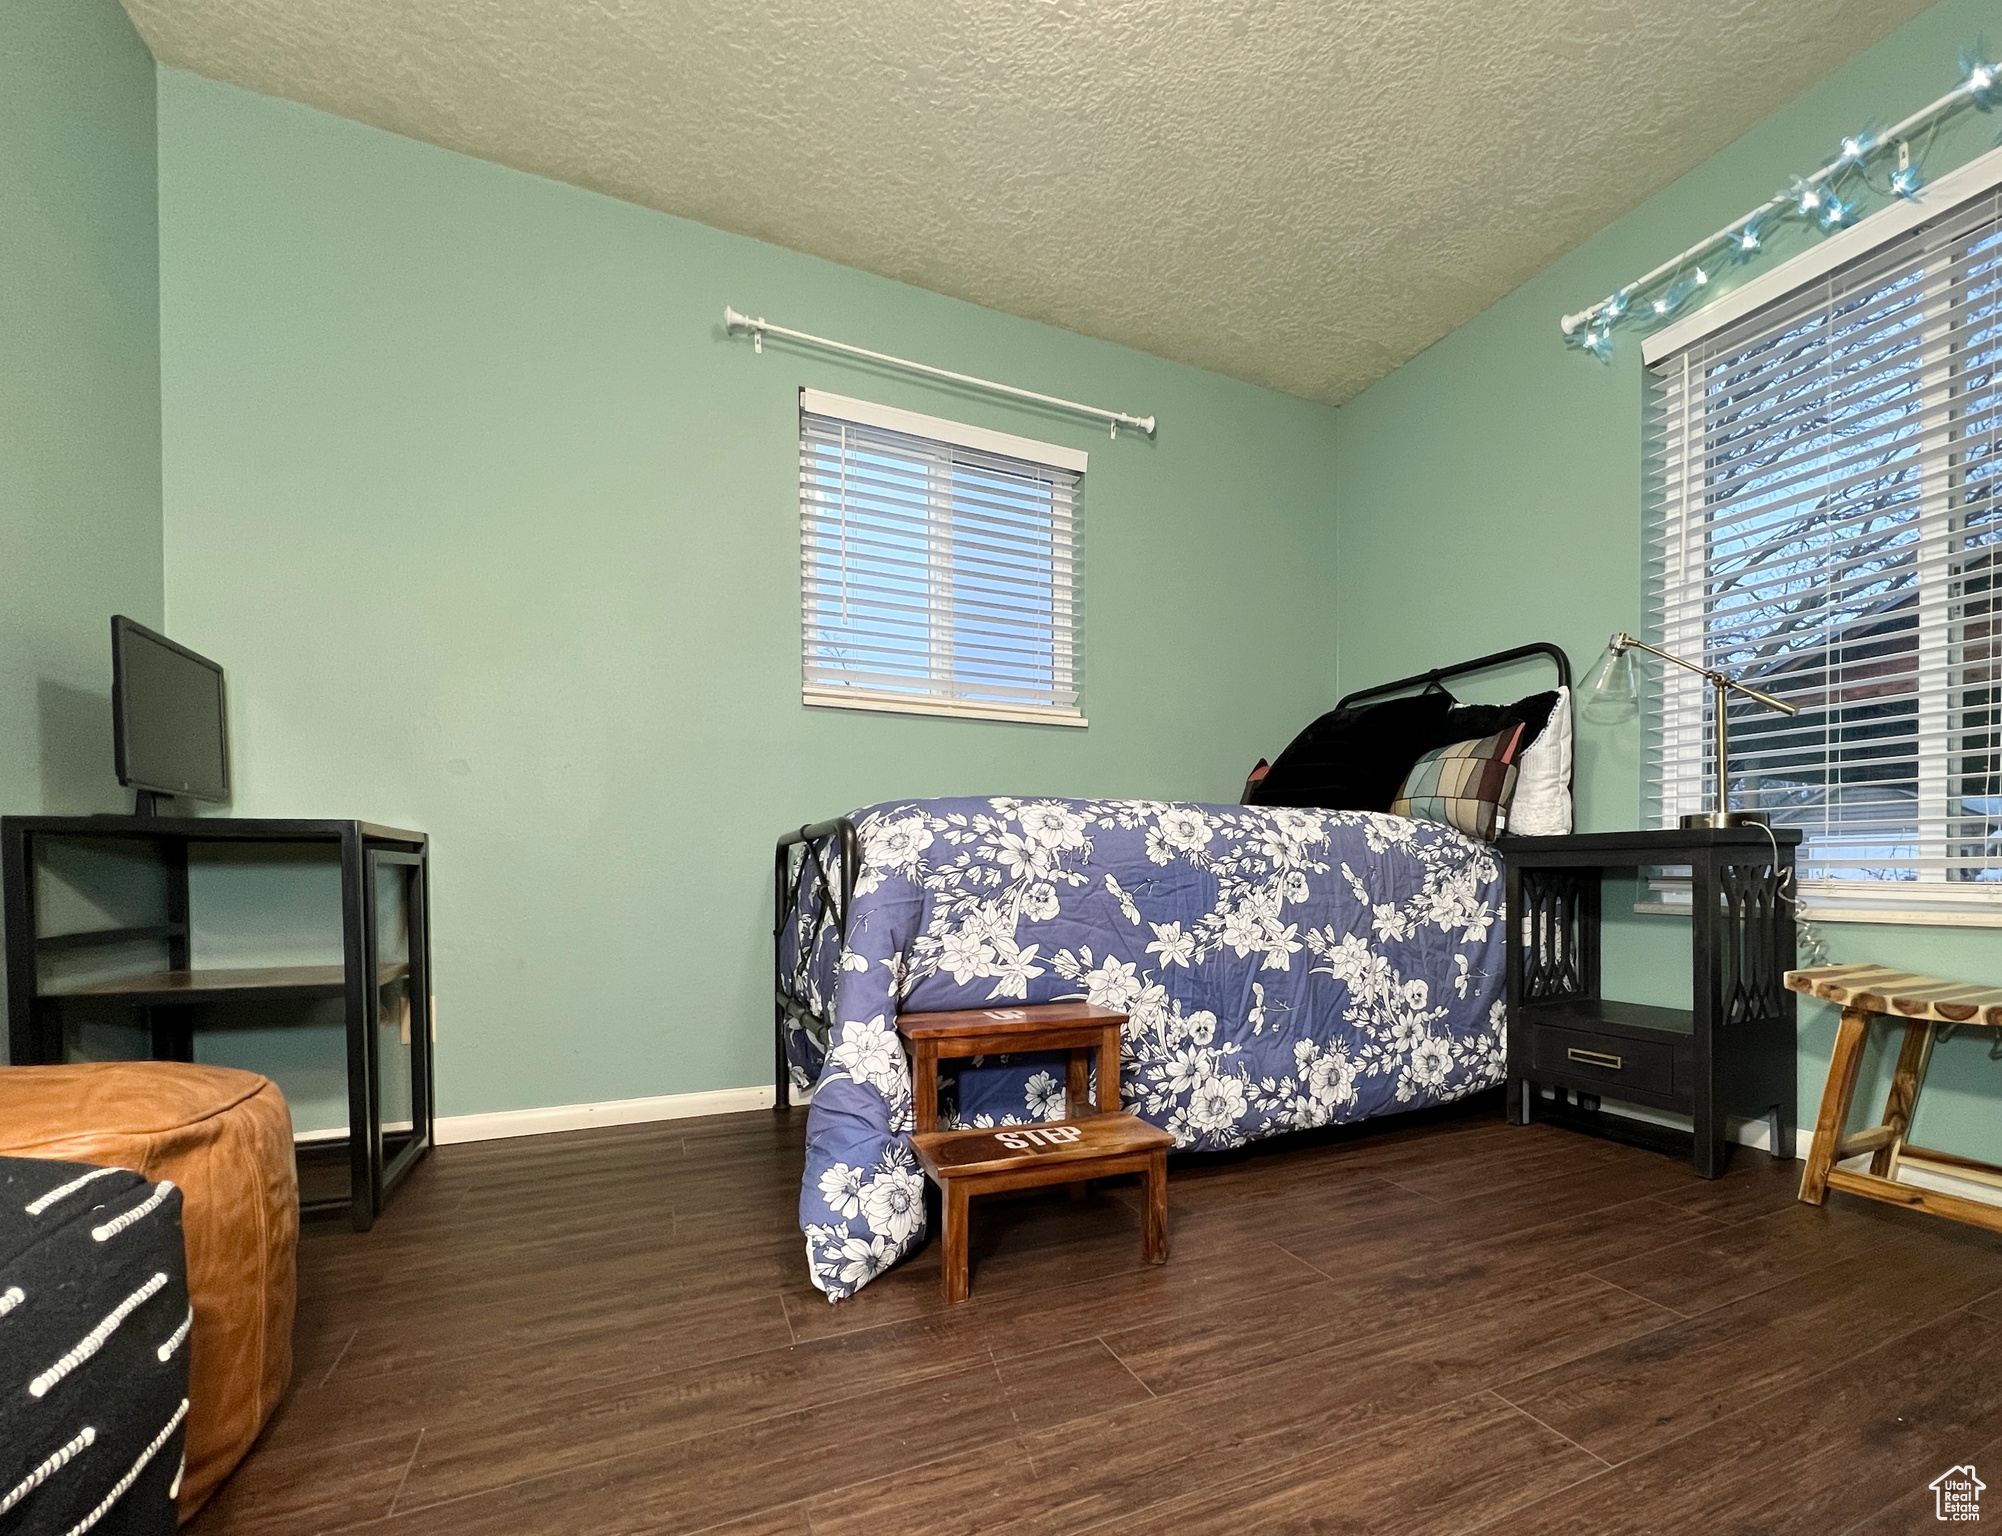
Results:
<point x="1824" y="522"/>
<point x="939" y="565"/>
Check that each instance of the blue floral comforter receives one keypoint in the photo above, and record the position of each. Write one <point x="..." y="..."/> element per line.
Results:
<point x="1282" y="969"/>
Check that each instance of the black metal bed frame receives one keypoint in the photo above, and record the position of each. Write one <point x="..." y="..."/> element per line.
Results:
<point x="794" y="852"/>
<point x="1555" y="654"/>
<point x="835" y="888"/>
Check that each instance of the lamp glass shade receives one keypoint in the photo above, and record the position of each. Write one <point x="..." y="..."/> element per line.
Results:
<point x="1610" y="692"/>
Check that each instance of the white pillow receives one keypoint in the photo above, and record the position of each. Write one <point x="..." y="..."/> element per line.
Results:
<point x="1542" y="804"/>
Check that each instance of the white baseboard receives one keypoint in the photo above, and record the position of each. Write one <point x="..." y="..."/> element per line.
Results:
<point x="1746" y="1133"/>
<point x="500" y="1124"/>
<point x="1926" y="1178"/>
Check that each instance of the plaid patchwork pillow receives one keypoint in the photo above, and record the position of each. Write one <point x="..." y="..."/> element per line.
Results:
<point x="1466" y="786"/>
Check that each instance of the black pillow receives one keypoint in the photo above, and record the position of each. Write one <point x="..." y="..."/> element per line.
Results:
<point x="1356" y="759"/>
<point x="1472" y="722"/>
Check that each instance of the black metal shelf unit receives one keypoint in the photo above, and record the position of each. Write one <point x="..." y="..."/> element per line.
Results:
<point x="383" y="978"/>
<point x="1731" y="1053"/>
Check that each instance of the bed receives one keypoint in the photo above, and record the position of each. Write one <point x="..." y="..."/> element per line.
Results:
<point x="1283" y="968"/>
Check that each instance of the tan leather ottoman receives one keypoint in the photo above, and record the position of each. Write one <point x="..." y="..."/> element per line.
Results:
<point x="225" y="1139"/>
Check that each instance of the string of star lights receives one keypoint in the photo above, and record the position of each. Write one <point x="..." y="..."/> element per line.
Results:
<point x="1826" y="201"/>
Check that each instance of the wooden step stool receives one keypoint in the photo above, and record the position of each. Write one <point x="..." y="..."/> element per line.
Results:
<point x="1084" y="1146"/>
<point x="1924" y="1003"/>
<point x="1078" y="1028"/>
<point x="984" y="1162"/>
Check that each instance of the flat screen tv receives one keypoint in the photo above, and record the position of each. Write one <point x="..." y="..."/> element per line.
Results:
<point x="168" y="724"/>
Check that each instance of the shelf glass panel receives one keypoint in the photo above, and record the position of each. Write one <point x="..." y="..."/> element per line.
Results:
<point x="397" y="1015"/>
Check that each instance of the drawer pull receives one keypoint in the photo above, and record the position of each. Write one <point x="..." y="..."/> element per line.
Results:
<point x="1596" y="1059"/>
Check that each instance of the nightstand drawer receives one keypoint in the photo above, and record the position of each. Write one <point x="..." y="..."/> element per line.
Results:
<point x="1582" y="1055"/>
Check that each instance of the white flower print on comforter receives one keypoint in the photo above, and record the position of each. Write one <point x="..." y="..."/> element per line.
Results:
<point x="1281" y="969"/>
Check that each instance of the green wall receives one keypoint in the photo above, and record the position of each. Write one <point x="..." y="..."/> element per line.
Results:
<point x="1489" y="493"/>
<point x="498" y="537"/>
<point x="79" y="389"/>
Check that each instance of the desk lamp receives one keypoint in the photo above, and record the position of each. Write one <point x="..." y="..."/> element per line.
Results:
<point x="1612" y="696"/>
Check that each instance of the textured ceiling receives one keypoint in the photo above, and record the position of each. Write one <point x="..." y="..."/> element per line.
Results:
<point x="1295" y="193"/>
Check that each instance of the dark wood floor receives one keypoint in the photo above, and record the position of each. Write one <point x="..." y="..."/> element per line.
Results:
<point x="1444" y="1327"/>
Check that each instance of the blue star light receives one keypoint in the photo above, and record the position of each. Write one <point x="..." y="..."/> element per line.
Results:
<point x="1677" y="295"/>
<point x="1980" y="79"/>
<point x="1834" y="212"/>
<point x="1907" y="182"/>
<point x="1805" y="196"/>
<point x="1746" y="240"/>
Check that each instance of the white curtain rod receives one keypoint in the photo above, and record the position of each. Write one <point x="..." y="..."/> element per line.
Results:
<point x="733" y="322"/>
<point x="1982" y="79"/>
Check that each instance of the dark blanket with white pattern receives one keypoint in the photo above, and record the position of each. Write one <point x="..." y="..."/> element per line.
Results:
<point x="1281" y="969"/>
<point x="94" y="1325"/>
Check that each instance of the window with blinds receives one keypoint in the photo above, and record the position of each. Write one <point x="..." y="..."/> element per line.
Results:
<point x="1824" y="523"/>
<point x="939" y="565"/>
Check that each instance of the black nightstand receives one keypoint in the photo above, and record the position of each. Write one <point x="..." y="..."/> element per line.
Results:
<point x="1731" y="1054"/>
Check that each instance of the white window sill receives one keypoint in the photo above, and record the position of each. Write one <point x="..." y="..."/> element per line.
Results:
<point x="1951" y="917"/>
<point x="1670" y="898"/>
<point x="1886" y="915"/>
<point x="953" y="709"/>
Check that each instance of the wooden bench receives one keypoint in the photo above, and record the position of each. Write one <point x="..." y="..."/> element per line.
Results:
<point x="1925" y="1003"/>
<point x="990" y="1162"/>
